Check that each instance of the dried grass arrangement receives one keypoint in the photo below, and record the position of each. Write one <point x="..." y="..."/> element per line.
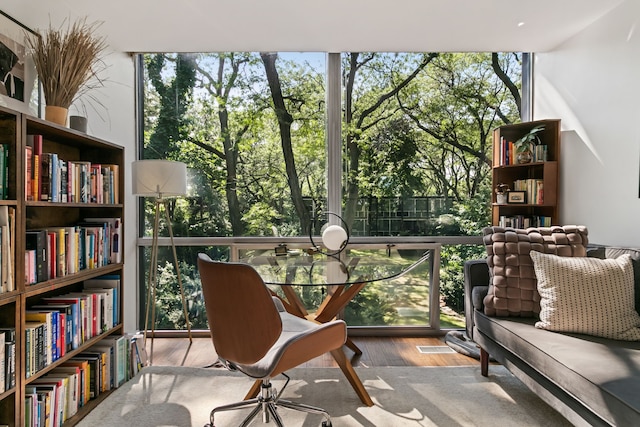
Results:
<point x="68" y="61"/>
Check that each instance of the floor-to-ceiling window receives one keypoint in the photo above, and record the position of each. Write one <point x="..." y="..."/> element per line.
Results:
<point x="397" y="143"/>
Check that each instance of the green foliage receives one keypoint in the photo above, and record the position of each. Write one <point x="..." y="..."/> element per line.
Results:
<point x="370" y="307"/>
<point x="472" y="218"/>
<point x="416" y="125"/>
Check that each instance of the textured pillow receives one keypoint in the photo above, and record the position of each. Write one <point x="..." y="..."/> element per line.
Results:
<point x="587" y="296"/>
<point x="512" y="288"/>
<point x="614" y="252"/>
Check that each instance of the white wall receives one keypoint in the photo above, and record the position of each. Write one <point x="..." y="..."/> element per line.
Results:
<point x="114" y="119"/>
<point x="592" y="83"/>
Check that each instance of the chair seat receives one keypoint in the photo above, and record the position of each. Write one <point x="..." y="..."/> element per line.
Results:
<point x="300" y="341"/>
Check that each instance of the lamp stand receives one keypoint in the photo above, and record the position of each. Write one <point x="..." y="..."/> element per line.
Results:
<point x="153" y="276"/>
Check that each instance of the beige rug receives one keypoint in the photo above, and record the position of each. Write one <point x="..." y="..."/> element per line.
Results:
<point x="403" y="396"/>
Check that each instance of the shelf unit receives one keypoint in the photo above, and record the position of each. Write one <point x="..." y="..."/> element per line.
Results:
<point x="70" y="145"/>
<point x="547" y="172"/>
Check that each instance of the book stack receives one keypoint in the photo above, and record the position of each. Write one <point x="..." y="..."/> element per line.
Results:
<point x="63" y="323"/>
<point x="533" y="188"/>
<point x="59" y="251"/>
<point x="50" y="178"/>
<point x="55" y="397"/>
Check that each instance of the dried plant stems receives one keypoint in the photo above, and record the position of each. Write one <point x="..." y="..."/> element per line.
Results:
<point x="68" y="61"/>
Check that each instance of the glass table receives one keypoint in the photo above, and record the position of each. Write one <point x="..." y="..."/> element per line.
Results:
<point x="339" y="278"/>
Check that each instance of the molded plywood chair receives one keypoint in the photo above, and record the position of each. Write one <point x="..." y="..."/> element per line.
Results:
<point x="253" y="334"/>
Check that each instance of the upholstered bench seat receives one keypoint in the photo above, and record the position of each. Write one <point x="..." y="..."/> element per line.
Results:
<point x="603" y="374"/>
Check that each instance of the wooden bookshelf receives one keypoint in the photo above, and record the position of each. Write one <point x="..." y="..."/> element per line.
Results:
<point x="539" y="174"/>
<point x="70" y="145"/>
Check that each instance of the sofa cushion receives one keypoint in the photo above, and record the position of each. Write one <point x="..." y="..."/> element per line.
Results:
<point x="602" y="374"/>
<point x="614" y="252"/>
<point x="512" y="286"/>
<point x="587" y="295"/>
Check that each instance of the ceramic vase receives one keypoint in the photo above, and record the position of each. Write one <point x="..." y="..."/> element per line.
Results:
<point x="57" y="115"/>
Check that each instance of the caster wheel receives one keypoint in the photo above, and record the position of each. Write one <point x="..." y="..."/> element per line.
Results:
<point x="326" y="424"/>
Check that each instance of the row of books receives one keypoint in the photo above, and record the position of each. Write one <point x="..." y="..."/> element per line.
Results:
<point x="50" y="178"/>
<point x="7" y="248"/>
<point x="522" y="221"/>
<point x="4" y="171"/>
<point x="55" y="397"/>
<point x="533" y="188"/>
<point x="508" y="153"/>
<point x="59" y="251"/>
<point x="7" y="358"/>
<point x="63" y="323"/>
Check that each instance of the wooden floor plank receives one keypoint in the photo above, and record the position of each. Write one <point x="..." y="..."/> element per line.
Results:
<point x="376" y="351"/>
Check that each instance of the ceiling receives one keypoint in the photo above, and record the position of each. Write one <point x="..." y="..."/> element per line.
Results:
<point x="322" y="25"/>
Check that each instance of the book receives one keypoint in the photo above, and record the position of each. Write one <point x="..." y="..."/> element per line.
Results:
<point x="75" y="331"/>
<point x="3" y="364"/>
<point x="85" y="376"/>
<point x="36" y="142"/>
<point x="7" y="247"/>
<point x="45" y="177"/>
<point x="107" y="281"/>
<point x="74" y="382"/>
<point x="9" y="339"/>
<point x="4" y="170"/>
<point x="114" y="231"/>
<point x="49" y="335"/>
<point x="119" y="344"/>
<point x="65" y="324"/>
<point x="28" y="172"/>
<point x="37" y="240"/>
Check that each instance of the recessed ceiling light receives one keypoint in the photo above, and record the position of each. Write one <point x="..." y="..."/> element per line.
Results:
<point x="520" y="24"/>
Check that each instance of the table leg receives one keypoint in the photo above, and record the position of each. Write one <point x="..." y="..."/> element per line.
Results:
<point x="350" y="344"/>
<point x="254" y="390"/>
<point x="346" y="368"/>
<point x="336" y="301"/>
<point x="351" y="375"/>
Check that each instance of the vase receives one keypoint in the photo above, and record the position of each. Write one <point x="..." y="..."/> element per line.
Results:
<point x="78" y="123"/>
<point x="524" y="157"/>
<point x="57" y="115"/>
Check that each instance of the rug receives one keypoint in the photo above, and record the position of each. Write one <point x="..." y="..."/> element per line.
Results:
<point x="403" y="396"/>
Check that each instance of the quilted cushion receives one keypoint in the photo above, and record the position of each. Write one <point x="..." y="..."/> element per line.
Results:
<point x="512" y="288"/>
<point x="587" y="296"/>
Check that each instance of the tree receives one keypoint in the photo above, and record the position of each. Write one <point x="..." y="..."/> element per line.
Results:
<point x="373" y="106"/>
<point x="285" y="121"/>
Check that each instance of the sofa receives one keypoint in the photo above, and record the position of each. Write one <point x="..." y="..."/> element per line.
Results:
<point x="589" y="379"/>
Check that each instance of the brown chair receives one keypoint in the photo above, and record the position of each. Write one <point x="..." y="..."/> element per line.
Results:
<point x="253" y="334"/>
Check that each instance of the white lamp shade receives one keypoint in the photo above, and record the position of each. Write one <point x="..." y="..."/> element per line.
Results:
<point x="159" y="178"/>
<point x="334" y="237"/>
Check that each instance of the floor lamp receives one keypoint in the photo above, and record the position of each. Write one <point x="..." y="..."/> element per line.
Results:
<point x="160" y="179"/>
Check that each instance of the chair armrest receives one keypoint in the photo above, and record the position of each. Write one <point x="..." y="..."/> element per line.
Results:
<point x="476" y="286"/>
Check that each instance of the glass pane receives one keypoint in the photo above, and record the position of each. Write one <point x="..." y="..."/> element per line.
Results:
<point x="168" y="301"/>
<point x="417" y="138"/>
<point x="251" y="129"/>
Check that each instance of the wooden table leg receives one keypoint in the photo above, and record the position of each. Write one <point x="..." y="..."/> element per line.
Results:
<point x="254" y="390"/>
<point x="337" y="301"/>
<point x="350" y="344"/>
<point x="351" y="375"/>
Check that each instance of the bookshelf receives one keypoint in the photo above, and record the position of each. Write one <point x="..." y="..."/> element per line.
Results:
<point x="539" y="179"/>
<point x="78" y="249"/>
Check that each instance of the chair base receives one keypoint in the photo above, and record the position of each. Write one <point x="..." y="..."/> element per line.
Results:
<point x="267" y="403"/>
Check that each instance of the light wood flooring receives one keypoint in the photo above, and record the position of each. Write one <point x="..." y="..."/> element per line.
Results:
<point x="376" y="351"/>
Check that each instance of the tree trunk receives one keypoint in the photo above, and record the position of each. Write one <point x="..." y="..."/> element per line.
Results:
<point x="284" y="122"/>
